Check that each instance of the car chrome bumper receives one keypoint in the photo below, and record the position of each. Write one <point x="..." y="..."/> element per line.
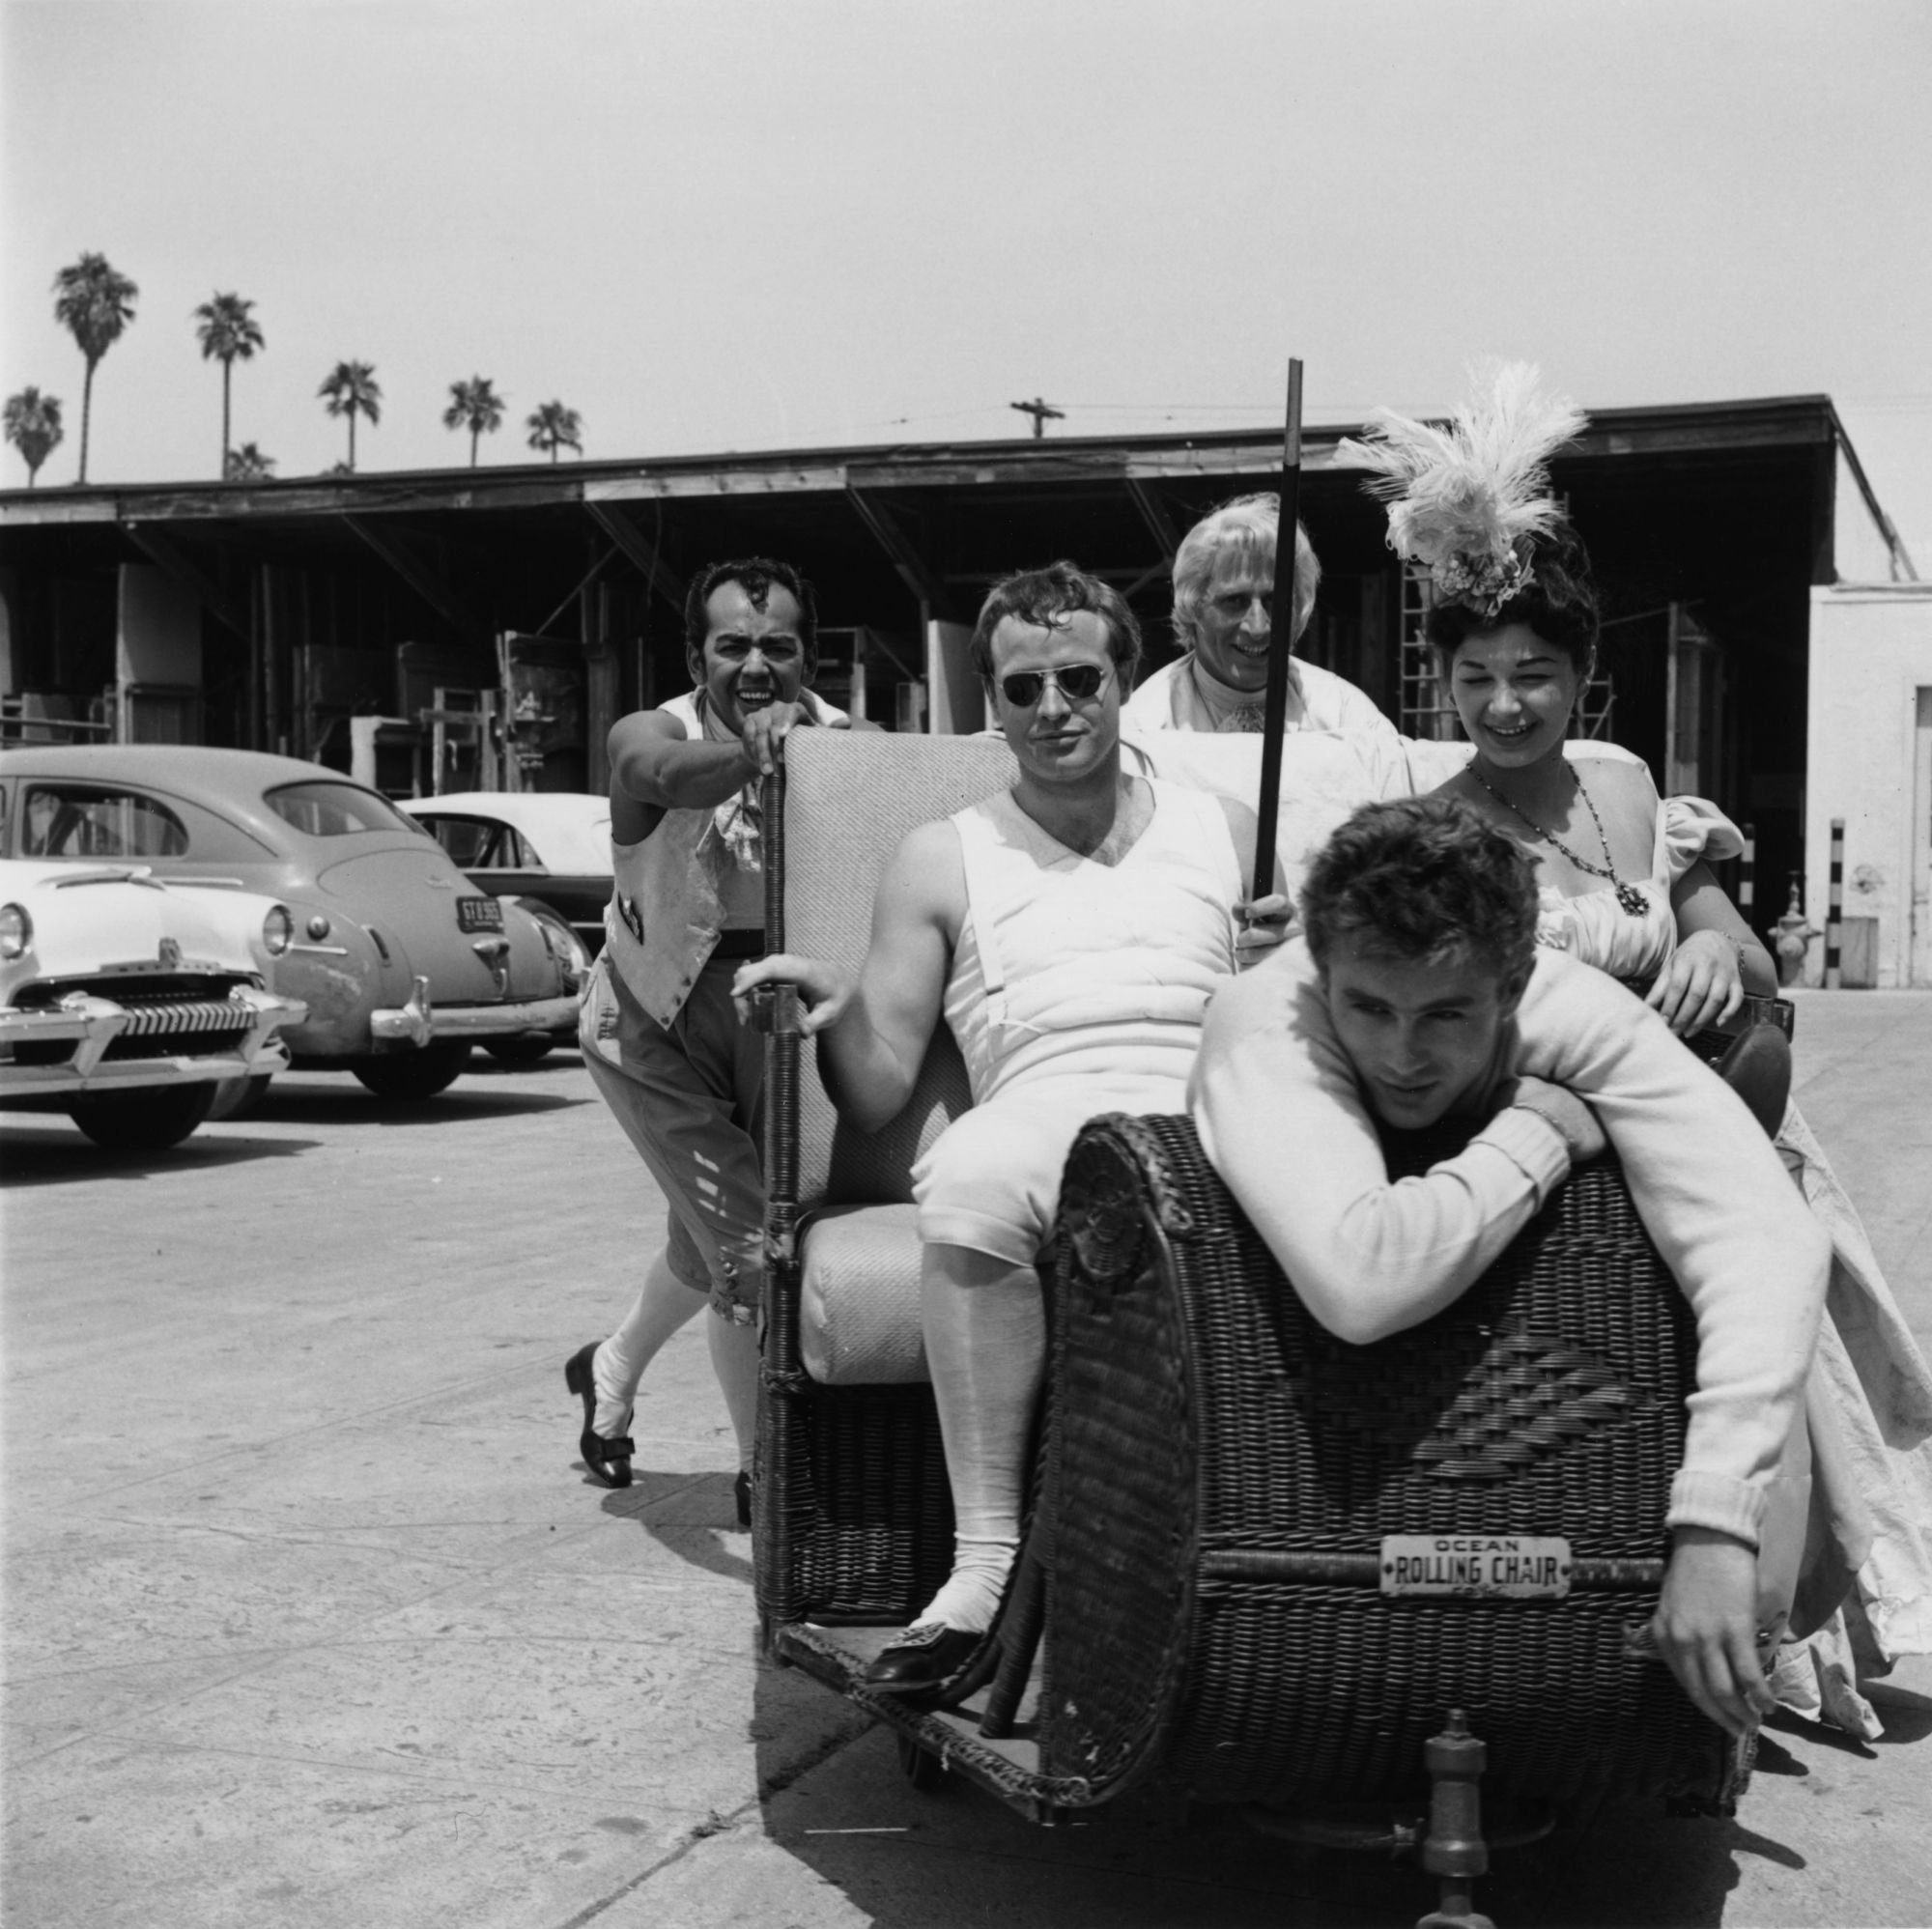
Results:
<point x="90" y="1026"/>
<point x="419" y="1021"/>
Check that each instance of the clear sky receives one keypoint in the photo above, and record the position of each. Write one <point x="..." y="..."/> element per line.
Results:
<point x="743" y="224"/>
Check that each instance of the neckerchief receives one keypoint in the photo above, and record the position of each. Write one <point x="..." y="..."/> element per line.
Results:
<point x="1202" y="701"/>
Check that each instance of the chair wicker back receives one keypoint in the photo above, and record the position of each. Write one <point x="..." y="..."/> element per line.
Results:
<point x="855" y="1520"/>
<point x="1222" y="1471"/>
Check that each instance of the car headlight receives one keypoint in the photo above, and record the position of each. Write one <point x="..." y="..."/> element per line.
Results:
<point x="16" y="933"/>
<point x="318" y="928"/>
<point x="278" y="931"/>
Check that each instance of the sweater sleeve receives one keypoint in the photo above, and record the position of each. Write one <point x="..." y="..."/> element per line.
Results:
<point x="1727" y="1220"/>
<point x="1281" y="1119"/>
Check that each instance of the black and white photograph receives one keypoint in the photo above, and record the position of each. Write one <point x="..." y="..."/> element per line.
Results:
<point x="966" y="964"/>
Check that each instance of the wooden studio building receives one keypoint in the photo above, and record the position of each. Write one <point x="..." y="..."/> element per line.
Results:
<point x="456" y="629"/>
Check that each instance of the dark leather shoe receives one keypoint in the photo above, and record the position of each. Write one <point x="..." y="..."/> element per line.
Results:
<point x="922" y="1658"/>
<point x="741" y="1491"/>
<point x="607" y="1460"/>
<point x="1757" y="1067"/>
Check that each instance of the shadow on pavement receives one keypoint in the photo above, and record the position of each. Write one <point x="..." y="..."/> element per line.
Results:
<point x="1151" y="1862"/>
<point x="853" y="1818"/>
<point x="54" y="1155"/>
<point x="346" y="1103"/>
<point x="558" y="1058"/>
<point x="685" y="1514"/>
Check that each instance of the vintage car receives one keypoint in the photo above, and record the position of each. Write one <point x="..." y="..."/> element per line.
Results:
<point x="547" y="849"/>
<point x="403" y="967"/>
<point x="128" y="1004"/>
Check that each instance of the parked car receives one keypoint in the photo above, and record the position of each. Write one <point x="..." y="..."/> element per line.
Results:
<point x="541" y="847"/>
<point x="548" y="850"/>
<point x="403" y="967"/>
<point x="128" y="1004"/>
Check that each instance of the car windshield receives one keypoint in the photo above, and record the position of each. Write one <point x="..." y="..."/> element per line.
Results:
<point x="335" y="810"/>
<point x="90" y="820"/>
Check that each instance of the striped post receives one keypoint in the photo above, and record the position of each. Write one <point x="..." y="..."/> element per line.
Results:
<point x="1834" y="917"/>
<point x="1748" y="876"/>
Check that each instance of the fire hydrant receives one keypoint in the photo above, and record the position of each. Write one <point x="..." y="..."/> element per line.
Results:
<point x="1793" y="943"/>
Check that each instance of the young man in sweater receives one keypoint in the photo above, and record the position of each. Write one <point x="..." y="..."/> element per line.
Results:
<point x="1417" y="994"/>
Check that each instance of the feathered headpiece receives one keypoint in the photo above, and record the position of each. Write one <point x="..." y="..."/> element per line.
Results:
<point x="1466" y="505"/>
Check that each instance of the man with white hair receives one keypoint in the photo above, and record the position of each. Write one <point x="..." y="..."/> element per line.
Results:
<point x="1222" y="592"/>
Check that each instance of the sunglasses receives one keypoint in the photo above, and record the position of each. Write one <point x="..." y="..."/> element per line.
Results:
<point x="1075" y="681"/>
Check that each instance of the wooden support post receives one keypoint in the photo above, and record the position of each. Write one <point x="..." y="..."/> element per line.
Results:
<point x="1834" y="915"/>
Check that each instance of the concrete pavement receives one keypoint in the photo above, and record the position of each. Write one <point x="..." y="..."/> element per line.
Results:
<point x="312" y="1618"/>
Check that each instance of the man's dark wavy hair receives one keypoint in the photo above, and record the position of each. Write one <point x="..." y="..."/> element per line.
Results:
<point x="1047" y="597"/>
<point x="1423" y="880"/>
<point x="1560" y="604"/>
<point x="755" y="574"/>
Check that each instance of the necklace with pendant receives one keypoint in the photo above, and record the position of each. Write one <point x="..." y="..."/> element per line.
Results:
<point x="1628" y="896"/>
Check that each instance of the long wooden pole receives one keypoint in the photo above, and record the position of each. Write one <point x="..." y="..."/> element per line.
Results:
<point x="1281" y="639"/>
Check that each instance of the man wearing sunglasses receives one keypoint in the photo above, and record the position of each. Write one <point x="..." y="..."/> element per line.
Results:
<point x="660" y="1037"/>
<point x="1071" y="929"/>
<point x="1223" y="593"/>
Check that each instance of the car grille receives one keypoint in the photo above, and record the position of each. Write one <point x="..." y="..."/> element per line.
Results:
<point x="177" y="1019"/>
<point x="135" y="992"/>
<point x="166" y="1026"/>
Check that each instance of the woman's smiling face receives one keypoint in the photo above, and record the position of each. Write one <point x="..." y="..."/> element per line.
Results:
<point x="1514" y="693"/>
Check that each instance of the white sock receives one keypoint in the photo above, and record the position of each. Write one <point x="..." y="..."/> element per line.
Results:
<point x="971" y="1596"/>
<point x="985" y="1344"/>
<point x="662" y="1305"/>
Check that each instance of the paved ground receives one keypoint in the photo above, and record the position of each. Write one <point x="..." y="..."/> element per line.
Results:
<point x="311" y="1618"/>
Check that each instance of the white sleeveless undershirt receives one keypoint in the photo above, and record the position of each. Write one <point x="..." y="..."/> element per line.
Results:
<point x="1067" y="966"/>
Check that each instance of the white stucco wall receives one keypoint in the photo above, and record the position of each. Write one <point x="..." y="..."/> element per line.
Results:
<point x="1871" y="653"/>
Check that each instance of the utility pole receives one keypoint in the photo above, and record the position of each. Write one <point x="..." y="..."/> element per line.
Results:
<point x="1040" y="411"/>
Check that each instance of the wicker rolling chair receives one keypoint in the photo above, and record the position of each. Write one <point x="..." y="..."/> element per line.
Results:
<point x="854" y="1518"/>
<point x="1199" y="1602"/>
<point x="1222" y="1473"/>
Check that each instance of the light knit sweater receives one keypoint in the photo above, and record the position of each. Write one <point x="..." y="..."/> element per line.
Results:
<point x="1282" y="1120"/>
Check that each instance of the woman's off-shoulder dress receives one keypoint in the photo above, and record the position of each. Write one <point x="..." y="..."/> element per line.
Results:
<point x="1871" y="1389"/>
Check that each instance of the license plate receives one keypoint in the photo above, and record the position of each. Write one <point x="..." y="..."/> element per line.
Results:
<point x="1521" y="1567"/>
<point x="480" y="914"/>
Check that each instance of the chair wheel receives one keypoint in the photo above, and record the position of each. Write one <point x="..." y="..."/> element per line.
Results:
<point x="920" y="1765"/>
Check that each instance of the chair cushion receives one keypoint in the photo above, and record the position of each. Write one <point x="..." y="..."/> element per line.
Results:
<point x="857" y="1313"/>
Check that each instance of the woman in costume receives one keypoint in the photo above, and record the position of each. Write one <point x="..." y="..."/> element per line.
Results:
<point x="1626" y="885"/>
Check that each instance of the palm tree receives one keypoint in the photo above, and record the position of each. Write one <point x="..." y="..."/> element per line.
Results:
<point x="229" y="333"/>
<point x="351" y="390"/>
<point x="94" y="302"/>
<point x="33" y="427"/>
<point x="554" y="426"/>
<point x="474" y="405"/>
<point x="248" y="463"/>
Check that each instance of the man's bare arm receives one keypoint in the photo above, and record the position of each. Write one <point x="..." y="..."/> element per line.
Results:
<point x="656" y="766"/>
<point x="873" y="1030"/>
